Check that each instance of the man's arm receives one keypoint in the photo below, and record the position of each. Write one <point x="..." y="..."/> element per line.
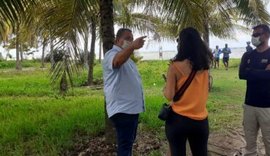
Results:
<point x="243" y="73"/>
<point x="121" y="57"/>
<point x="258" y="74"/>
<point x="247" y="73"/>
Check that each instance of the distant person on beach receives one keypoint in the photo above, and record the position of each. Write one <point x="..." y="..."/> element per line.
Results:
<point x="123" y="89"/>
<point x="8" y="56"/>
<point x="226" y="56"/>
<point x="160" y="53"/>
<point x="216" y="54"/>
<point x="248" y="47"/>
<point x="255" y="69"/>
<point x="188" y="119"/>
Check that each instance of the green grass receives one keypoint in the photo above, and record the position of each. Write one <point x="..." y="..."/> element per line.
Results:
<point x="226" y="99"/>
<point x="35" y="120"/>
<point x="12" y="64"/>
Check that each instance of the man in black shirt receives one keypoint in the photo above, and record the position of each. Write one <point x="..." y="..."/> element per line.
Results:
<point x="248" y="47"/>
<point x="255" y="69"/>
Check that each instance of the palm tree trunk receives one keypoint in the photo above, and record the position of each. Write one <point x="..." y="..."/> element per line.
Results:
<point x="43" y="53"/>
<point x="21" y="52"/>
<point x="18" y="61"/>
<point x="92" y="53"/>
<point x="107" y="36"/>
<point x="106" y="22"/>
<point x="100" y="51"/>
<point x="86" y="54"/>
<point x="51" y="51"/>
<point x="206" y="31"/>
<point x="36" y="44"/>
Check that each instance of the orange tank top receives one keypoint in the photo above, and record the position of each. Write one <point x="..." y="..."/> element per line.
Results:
<point x="192" y="104"/>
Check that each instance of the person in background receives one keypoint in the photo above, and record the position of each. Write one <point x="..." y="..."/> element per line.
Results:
<point x="216" y="54"/>
<point x="248" y="47"/>
<point x="226" y="56"/>
<point x="160" y="53"/>
<point x="188" y="120"/>
<point x="255" y="69"/>
<point x="123" y="89"/>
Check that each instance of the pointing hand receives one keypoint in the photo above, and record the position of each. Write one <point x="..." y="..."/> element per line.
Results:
<point x="138" y="42"/>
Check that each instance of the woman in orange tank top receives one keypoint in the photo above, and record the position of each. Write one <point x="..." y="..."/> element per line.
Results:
<point x="188" y="120"/>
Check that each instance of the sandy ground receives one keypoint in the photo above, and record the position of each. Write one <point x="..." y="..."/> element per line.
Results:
<point x="230" y="143"/>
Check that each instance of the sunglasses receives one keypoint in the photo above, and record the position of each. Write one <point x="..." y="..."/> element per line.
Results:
<point x="257" y="34"/>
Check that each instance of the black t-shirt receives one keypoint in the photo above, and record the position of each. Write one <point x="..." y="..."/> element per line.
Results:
<point x="252" y="69"/>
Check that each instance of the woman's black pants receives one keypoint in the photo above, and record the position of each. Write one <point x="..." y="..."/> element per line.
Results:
<point x="179" y="129"/>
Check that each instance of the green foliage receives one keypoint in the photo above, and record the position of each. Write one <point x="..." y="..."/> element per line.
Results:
<point x="12" y="64"/>
<point x="1" y="57"/>
<point x="7" y="64"/>
<point x="36" y="120"/>
<point x="25" y="46"/>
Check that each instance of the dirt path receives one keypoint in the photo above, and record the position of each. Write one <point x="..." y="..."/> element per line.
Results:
<point x="230" y="143"/>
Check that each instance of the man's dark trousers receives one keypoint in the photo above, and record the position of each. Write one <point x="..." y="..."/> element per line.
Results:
<point x="126" y="129"/>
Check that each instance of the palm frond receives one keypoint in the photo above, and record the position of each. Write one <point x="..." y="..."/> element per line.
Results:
<point x="65" y="20"/>
<point x="252" y="11"/>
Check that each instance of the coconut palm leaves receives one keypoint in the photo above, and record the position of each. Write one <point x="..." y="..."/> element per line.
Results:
<point x="217" y="17"/>
<point x="252" y="11"/>
<point x="65" y="20"/>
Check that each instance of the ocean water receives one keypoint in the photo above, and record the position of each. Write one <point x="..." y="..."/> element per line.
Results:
<point x="166" y="55"/>
<point x="147" y="55"/>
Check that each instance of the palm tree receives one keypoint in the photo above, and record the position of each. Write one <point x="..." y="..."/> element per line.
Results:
<point x="18" y="61"/>
<point x="107" y="37"/>
<point x="12" y="13"/>
<point x="107" y="23"/>
<point x="86" y="53"/>
<point x="66" y="20"/>
<point x="217" y="17"/>
<point x="92" y="52"/>
<point x="44" y="44"/>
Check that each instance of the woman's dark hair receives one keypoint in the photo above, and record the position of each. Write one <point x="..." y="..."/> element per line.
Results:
<point x="191" y="47"/>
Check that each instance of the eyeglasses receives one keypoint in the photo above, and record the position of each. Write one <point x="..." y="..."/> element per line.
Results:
<point x="257" y="34"/>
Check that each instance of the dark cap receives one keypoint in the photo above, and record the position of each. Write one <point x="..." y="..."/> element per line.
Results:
<point x="264" y="27"/>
